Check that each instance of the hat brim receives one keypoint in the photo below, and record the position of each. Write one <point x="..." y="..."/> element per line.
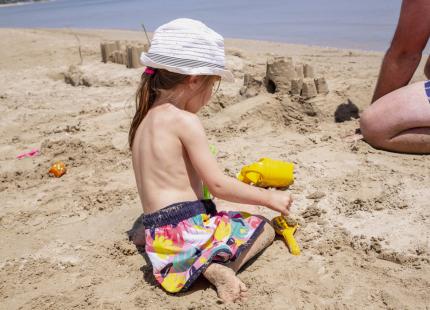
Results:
<point x="224" y="74"/>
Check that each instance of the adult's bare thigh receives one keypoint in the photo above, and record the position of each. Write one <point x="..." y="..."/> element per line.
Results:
<point x="398" y="111"/>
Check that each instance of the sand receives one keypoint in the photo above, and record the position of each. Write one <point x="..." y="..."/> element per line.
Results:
<point x="364" y="213"/>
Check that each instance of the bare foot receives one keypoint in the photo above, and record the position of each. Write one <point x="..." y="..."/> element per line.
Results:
<point x="228" y="285"/>
<point x="138" y="236"/>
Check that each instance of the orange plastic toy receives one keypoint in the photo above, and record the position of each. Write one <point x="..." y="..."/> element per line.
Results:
<point x="58" y="169"/>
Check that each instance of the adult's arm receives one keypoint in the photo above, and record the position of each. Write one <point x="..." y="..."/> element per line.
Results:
<point x="404" y="55"/>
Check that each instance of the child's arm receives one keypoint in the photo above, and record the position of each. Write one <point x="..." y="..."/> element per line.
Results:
<point x="193" y="137"/>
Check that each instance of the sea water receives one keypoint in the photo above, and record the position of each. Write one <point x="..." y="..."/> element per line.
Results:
<point x="361" y="24"/>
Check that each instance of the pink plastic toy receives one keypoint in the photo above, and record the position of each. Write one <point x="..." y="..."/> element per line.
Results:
<point x="32" y="153"/>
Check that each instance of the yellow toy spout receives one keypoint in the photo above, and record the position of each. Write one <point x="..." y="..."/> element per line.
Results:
<point x="286" y="230"/>
<point x="268" y="173"/>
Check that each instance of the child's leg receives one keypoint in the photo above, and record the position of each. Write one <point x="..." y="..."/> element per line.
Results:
<point x="265" y="239"/>
<point x="229" y="287"/>
<point x="229" y="206"/>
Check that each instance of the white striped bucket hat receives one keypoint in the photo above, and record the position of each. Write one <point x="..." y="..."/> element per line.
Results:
<point x="189" y="47"/>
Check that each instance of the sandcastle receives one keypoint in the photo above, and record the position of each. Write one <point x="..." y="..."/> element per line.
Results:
<point x="251" y="86"/>
<point x="127" y="54"/>
<point x="285" y="77"/>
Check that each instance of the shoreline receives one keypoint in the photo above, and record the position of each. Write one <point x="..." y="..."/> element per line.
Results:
<point x="227" y="39"/>
<point x="426" y="52"/>
<point x="21" y="3"/>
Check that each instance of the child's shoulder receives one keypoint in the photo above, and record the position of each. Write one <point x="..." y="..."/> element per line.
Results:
<point x="171" y="115"/>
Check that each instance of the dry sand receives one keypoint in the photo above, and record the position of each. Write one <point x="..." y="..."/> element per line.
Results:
<point x="364" y="213"/>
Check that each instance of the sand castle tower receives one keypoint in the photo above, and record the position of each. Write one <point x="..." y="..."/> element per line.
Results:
<point x="129" y="55"/>
<point x="279" y="73"/>
<point x="285" y="77"/>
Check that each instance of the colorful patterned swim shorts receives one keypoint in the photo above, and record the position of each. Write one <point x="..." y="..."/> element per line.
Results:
<point x="184" y="238"/>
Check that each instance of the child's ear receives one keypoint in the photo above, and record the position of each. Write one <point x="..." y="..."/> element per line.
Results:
<point x="194" y="82"/>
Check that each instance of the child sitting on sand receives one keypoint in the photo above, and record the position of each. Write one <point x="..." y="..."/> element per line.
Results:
<point x="185" y="235"/>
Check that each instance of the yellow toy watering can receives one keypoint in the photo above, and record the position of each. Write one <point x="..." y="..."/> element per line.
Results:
<point x="286" y="228"/>
<point x="268" y="173"/>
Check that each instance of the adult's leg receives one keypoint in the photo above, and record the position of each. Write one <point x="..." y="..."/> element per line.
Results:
<point x="399" y="121"/>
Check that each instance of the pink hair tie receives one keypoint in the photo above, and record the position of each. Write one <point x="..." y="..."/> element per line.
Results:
<point x="149" y="71"/>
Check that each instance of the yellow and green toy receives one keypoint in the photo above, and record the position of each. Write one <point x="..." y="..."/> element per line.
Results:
<point x="286" y="227"/>
<point x="268" y="172"/>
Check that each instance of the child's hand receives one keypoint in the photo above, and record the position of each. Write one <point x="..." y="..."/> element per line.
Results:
<point x="280" y="202"/>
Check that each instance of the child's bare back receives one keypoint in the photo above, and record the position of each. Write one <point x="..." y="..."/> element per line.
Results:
<point x="164" y="173"/>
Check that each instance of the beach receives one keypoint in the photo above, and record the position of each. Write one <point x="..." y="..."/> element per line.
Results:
<point x="364" y="214"/>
